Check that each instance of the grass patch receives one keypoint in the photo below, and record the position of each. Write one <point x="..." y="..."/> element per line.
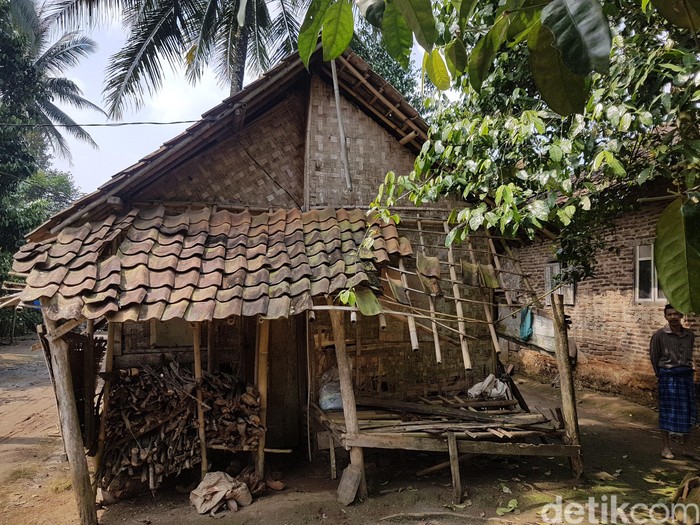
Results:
<point x="61" y="484"/>
<point x="23" y="472"/>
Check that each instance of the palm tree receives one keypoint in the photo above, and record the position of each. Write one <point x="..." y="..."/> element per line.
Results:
<point x="50" y="60"/>
<point x="228" y="34"/>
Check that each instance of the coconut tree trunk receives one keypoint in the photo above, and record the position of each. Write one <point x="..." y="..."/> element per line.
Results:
<point x="239" y="55"/>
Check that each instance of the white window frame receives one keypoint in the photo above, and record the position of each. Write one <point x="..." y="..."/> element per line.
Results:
<point x="657" y="294"/>
<point x="551" y="270"/>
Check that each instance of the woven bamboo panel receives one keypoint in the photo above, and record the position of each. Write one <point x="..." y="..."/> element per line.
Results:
<point x="260" y="166"/>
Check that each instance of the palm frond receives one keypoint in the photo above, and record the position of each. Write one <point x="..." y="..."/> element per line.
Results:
<point x="284" y="31"/>
<point x="71" y="15"/>
<point x="227" y="36"/>
<point x="26" y="19"/>
<point x="68" y="92"/>
<point x="62" y="121"/>
<point x="53" y="136"/>
<point x="258" y="22"/>
<point x="65" y="53"/>
<point x="201" y="36"/>
<point x="137" y="68"/>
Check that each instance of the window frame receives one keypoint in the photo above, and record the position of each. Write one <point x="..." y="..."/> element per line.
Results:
<point x="657" y="294"/>
<point x="552" y="269"/>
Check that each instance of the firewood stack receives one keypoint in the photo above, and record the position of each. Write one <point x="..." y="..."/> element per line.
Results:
<point x="152" y="429"/>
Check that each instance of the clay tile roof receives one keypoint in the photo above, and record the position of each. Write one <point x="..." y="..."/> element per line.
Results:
<point x="203" y="264"/>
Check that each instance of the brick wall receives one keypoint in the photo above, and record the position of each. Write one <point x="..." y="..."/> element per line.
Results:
<point x="372" y="152"/>
<point x="611" y="330"/>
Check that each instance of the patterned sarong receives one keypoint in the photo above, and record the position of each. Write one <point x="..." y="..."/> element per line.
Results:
<point x="677" y="408"/>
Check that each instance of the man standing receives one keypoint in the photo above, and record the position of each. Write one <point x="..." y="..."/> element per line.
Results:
<point x="671" y="353"/>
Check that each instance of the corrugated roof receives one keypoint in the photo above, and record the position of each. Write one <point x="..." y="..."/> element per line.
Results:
<point x="203" y="264"/>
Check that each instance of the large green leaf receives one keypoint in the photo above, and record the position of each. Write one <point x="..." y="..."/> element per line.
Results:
<point x="464" y="8"/>
<point x="337" y="29"/>
<point x="419" y="17"/>
<point x="677" y="262"/>
<point x="522" y="19"/>
<point x="683" y="13"/>
<point x="484" y="53"/>
<point x="582" y="34"/>
<point x="308" y="33"/>
<point x="563" y="91"/>
<point x="691" y="216"/>
<point x="456" y="56"/>
<point x="398" y="37"/>
<point x="437" y="70"/>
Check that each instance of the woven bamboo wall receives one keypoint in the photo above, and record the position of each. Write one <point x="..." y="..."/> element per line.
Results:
<point x="260" y="166"/>
<point x="371" y="152"/>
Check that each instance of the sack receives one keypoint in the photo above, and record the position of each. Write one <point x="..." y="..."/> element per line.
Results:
<point x="329" y="397"/>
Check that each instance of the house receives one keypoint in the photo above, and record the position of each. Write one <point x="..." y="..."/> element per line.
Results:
<point x="615" y="313"/>
<point x="214" y="264"/>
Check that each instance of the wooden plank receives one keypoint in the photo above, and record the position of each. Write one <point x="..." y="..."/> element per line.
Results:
<point x="331" y="450"/>
<point x="466" y="358"/>
<point x="262" y="376"/>
<point x="60" y="331"/>
<point x="197" y="343"/>
<point x="439" y="444"/>
<point x="70" y="425"/>
<point x="106" y="390"/>
<point x="431" y="305"/>
<point x="454" y="468"/>
<point x="413" y="334"/>
<point x="348" y="395"/>
<point x="566" y="383"/>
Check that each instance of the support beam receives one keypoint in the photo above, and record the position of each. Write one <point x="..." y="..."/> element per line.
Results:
<point x="566" y="382"/>
<point x="70" y="425"/>
<point x="262" y="377"/>
<point x="102" y="435"/>
<point x="348" y="395"/>
<point x="59" y="331"/>
<point x="431" y="304"/>
<point x="466" y="358"/>
<point x="210" y="346"/>
<point x="454" y="467"/>
<point x="197" y="340"/>
<point x="89" y="382"/>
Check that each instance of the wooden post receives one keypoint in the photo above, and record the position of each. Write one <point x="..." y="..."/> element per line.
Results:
<point x="262" y="375"/>
<point x="331" y="451"/>
<point x="566" y="381"/>
<point x="197" y="336"/>
<point x="352" y="427"/>
<point x="411" y="320"/>
<point x="466" y="358"/>
<point x="70" y="426"/>
<point x="102" y="435"/>
<point x="210" y="346"/>
<point x="89" y="382"/>
<point x="454" y="467"/>
<point x="431" y="304"/>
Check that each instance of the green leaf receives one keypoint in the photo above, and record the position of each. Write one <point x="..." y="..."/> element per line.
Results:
<point x="691" y="216"/>
<point x="367" y="302"/>
<point x="555" y="153"/>
<point x="582" y="34"/>
<point x="437" y="71"/>
<point x="464" y="9"/>
<point x="677" y="261"/>
<point x="539" y="210"/>
<point x="484" y="53"/>
<point x="683" y="13"/>
<point x="308" y="33"/>
<point x="456" y="55"/>
<point x="337" y="30"/>
<point x="419" y="17"/>
<point x="397" y="35"/>
<point x="563" y="91"/>
<point x="521" y="21"/>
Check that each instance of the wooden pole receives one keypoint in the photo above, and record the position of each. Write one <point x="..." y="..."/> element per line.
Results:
<point x="70" y="426"/>
<point x="413" y="333"/>
<point x="431" y="304"/>
<point x="454" y="467"/>
<point x="341" y="128"/>
<point x="196" y="336"/>
<point x="89" y="382"/>
<point x="210" y="346"/>
<point x="262" y="375"/>
<point x="466" y="358"/>
<point x="102" y="435"/>
<point x="347" y="393"/>
<point x="566" y="381"/>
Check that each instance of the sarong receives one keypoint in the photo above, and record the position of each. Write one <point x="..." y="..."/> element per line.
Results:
<point x="677" y="407"/>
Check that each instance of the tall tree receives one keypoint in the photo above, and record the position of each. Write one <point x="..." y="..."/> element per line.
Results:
<point x="228" y="35"/>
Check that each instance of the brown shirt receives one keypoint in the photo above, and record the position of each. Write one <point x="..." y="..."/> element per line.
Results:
<point x="669" y="350"/>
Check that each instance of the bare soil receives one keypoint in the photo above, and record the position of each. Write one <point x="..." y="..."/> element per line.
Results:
<point x="620" y="442"/>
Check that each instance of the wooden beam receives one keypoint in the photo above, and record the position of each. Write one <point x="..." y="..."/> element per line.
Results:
<point x="464" y="446"/>
<point x="348" y="395"/>
<point x="197" y="343"/>
<point x="89" y="382"/>
<point x="566" y="381"/>
<point x="262" y="378"/>
<point x="431" y="304"/>
<point x="466" y="358"/>
<point x="454" y="468"/>
<point x="210" y="346"/>
<point x="59" y="331"/>
<point x="415" y="346"/>
<point x="70" y="425"/>
<point x="102" y="435"/>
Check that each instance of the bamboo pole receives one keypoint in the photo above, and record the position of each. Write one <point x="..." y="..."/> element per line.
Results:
<point x="566" y="382"/>
<point x="262" y="375"/>
<point x="210" y="346"/>
<point x="431" y="303"/>
<point x="499" y="273"/>
<point x="347" y="394"/>
<point x="466" y="358"/>
<point x="70" y="426"/>
<point x="197" y="343"/>
<point x="411" y="321"/>
<point x="89" y="382"/>
<point x="341" y="128"/>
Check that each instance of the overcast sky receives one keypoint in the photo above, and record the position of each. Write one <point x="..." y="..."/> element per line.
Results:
<point x="120" y="147"/>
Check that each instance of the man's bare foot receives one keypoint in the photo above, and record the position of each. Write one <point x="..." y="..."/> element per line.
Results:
<point x="667" y="454"/>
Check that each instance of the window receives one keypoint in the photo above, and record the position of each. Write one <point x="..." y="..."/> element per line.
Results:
<point x="646" y="285"/>
<point x="551" y="271"/>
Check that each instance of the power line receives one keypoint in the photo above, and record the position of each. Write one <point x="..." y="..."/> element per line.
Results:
<point x="105" y="124"/>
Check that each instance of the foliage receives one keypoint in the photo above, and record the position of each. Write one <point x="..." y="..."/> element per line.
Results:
<point x="518" y="166"/>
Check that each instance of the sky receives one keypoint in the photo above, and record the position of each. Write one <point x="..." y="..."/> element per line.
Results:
<point x="120" y="147"/>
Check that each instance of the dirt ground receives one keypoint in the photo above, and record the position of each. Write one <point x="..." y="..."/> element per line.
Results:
<point x="620" y="443"/>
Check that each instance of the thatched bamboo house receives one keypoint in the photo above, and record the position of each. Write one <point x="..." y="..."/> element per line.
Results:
<point x="213" y="267"/>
